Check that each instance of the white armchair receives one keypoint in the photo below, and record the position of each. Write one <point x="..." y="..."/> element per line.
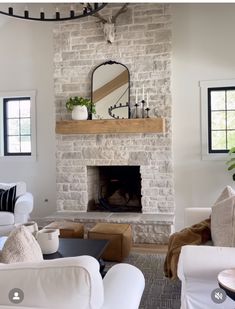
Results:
<point x="23" y="207"/>
<point x="198" y="269"/>
<point x="72" y="283"/>
<point x="199" y="266"/>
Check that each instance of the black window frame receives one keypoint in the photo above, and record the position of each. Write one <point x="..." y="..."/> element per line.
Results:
<point x="5" y="128"/>
<point x="210" y="90"/>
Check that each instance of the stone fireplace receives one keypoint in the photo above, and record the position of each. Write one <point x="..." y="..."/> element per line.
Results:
<point x="78" y="159"/>
<point x="143" y="44"/>
<point x="79" y="153"/>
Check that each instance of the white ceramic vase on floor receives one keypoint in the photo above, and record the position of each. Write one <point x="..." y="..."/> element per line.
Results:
<point x="48" y="240"/>
<point x="80" y="112"/>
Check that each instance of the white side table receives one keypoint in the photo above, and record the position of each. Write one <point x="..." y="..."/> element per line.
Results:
<point x="226" y="279"/>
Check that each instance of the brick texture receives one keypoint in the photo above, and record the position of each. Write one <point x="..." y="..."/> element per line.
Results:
<point x="143" y="44"/>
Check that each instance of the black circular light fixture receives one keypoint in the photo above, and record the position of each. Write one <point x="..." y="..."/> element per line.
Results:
<point x="75" y="11"/>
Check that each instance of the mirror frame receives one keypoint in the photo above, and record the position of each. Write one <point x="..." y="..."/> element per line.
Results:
<point x="110" y="62"/>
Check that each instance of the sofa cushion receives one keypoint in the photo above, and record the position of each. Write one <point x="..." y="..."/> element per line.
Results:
<point x="223" y="219"/>
<point x="222" y="223"/>
<point x="20" y="187"/>
<point x="6" y="218"/>
<point x="21" y="246"/>
<point x="226" y="193"/>
<point x="8" y="199"/>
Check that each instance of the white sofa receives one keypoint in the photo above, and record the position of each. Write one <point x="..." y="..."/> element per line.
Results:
<point x="199" y="267"/>
<point x="72" y="283"/>
<point x="23" y="208"/>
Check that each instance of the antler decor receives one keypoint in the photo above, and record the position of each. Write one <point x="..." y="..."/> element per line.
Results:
<point x="123" y="9"/>
<point x="102" y="20"/>
<point x="109" y="24"/>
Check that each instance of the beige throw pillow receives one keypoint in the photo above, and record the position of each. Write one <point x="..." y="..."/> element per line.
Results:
<point x="223" y="219"/>
<point x="227" y="192"/>
<point x="21" y="246"/>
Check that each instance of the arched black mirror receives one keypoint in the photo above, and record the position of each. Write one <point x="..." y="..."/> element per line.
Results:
<point x="110" y="91"/>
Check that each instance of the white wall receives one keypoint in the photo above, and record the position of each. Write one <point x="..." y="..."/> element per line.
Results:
<point x="26" y="62"/>
<point x="203" y="49"/>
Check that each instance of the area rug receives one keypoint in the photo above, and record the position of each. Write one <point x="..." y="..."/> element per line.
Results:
<point x="160" y="292"/>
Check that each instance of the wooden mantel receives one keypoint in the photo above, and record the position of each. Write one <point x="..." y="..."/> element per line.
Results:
<point x="140" y="125"/>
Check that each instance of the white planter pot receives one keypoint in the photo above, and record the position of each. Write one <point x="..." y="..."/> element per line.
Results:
<point x="80" y="113"/>
<point x="48" y="240"/>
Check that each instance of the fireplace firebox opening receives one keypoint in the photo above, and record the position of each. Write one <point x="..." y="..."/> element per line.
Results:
<point x="114" y="188"/>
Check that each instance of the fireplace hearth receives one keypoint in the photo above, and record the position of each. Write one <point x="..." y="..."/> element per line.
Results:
<point x="118" y="189"/>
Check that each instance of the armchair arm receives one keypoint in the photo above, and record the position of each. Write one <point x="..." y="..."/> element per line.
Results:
<point x="198" y="269"/>
<point x="205" y="262"/>
<point x="69" y="283"/>
<point x="123" y="287"/>
<point x="23" y="207"/>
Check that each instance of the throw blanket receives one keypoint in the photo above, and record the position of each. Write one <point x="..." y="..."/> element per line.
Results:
<point x="195" y="235"/>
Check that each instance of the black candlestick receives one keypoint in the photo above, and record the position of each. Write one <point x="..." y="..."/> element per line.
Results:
<point x="57" y="15"/>
<point x="143" y="102"/>
<point x="136" y="110"/>
<point x="10" y="11"/>
<point x="147" y="110"/>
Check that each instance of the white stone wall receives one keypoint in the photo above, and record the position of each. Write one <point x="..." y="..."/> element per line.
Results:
<point x="151" y="151"/>
<point x="143" y="44"/>
<point x="93" y="185"/>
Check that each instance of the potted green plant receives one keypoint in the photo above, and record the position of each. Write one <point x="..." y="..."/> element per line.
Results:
<point x="80" y="107"/>
<point x="231" y="161"/>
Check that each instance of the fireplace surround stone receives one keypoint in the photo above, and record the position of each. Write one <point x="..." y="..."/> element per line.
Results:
<point x="143" y="44"/>
<point x="150" y="151"/>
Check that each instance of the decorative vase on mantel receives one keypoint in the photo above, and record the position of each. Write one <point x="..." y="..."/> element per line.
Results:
<point x="79" y="112"/>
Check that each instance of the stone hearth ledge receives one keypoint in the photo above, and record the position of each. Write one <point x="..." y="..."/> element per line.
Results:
<point x="146" y="228"/>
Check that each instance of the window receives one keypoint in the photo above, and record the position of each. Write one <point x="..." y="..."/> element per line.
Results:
<point x="217" y="118"/>
<point x="17" y="124"/>
<point x="221" y="119"/>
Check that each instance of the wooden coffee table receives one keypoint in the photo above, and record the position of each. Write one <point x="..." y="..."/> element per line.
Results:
<point x="69" y="247"/>
<point x="226" y="279"/>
